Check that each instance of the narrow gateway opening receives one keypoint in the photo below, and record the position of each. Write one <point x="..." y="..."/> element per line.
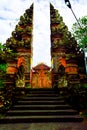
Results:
<point x="41" y="34"/>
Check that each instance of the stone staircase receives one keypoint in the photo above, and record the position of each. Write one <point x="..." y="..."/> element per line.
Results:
<point x="41" y="105"/>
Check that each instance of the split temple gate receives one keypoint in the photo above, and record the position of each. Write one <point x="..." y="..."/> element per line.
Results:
<point x="68" y="66"/>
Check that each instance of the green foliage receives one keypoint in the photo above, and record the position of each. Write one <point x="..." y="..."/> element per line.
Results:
<point x="84" y="85"/>
<point x="84" y="114"/>
<point x="2" y="83"/>
<point x="6" y="53"/>
<point x="80" y="33"/>
<point x="3" y="67"/>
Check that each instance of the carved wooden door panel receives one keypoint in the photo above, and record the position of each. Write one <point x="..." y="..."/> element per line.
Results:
<point x="41" y="80"/>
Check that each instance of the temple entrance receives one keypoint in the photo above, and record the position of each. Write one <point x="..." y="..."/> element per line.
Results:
<point x="63" y="50"/>
<point x="41" y="76"/>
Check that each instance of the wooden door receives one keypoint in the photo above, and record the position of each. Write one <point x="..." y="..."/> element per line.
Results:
<point x="41" y="80"/>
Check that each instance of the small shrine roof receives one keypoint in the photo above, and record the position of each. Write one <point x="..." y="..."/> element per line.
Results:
<point x="41" y="66"/>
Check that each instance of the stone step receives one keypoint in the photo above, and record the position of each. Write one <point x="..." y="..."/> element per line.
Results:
<point x="42" y="95"/>
<point x="39" y="98"/>
<point x="40" y="91"/>
<point x="41" y="107"/>
<point x="33" y="90"/>
<point x="29" y="119"/>
<point x="40" y="102"/>
<point x="40" y="112"/>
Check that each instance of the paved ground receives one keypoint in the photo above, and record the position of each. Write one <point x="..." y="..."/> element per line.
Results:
<point x="45" y="126"/>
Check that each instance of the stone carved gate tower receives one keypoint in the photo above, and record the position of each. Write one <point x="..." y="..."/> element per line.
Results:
<point x="63" y="52"/>
<point x="21" y="43"/>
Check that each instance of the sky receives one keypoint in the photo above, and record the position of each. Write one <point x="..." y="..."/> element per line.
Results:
<point x="11" y="10"/>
